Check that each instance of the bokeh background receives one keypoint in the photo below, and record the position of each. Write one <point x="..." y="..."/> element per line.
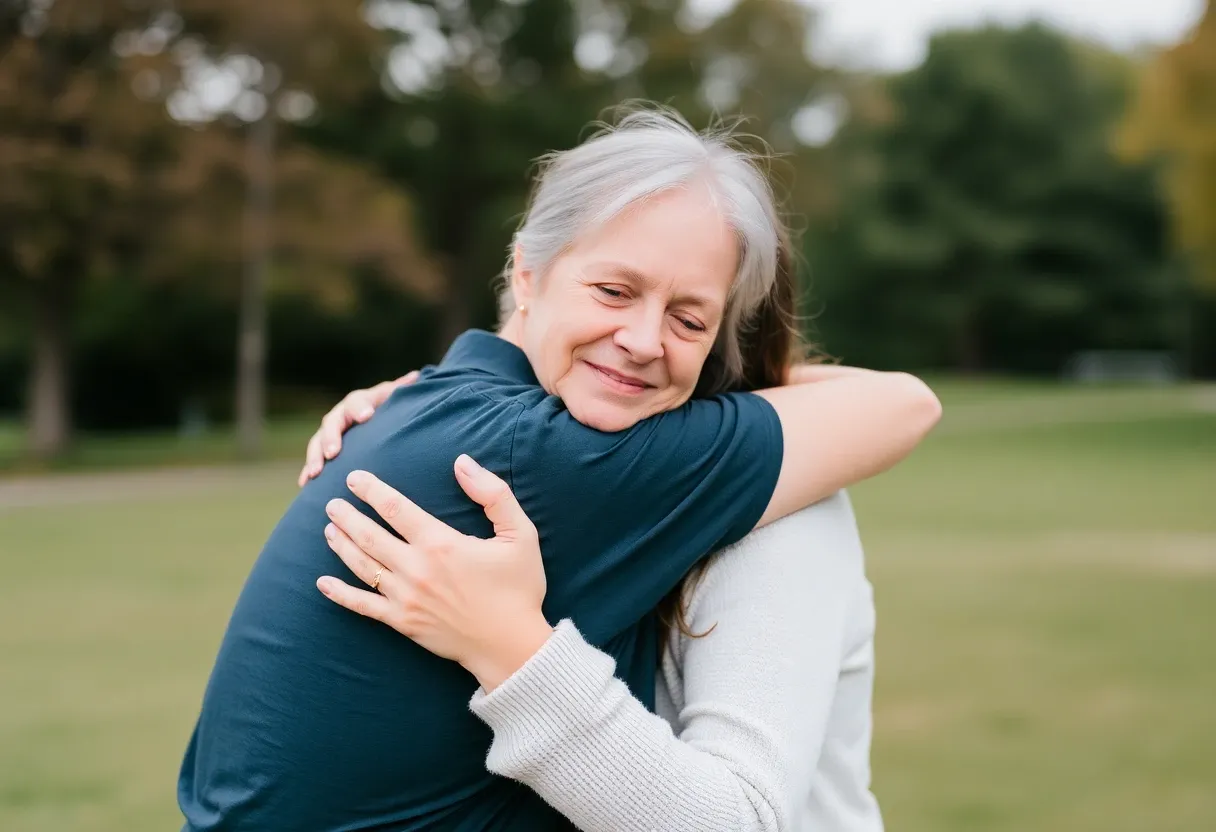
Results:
<point x="216" y="217"/>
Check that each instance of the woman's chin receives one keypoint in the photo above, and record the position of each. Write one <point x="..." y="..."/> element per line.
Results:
<point x="604" y="416"/>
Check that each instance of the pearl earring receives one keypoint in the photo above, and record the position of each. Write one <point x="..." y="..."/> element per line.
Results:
<point x="522" y="308"/>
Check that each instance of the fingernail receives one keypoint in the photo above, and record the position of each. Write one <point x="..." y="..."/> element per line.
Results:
<point x="356" y="478"/>
<point x="330" y="531"/>
<point x="325" y="584"/>
<point x="331" y="508"/>
<point x="466" y="464"/>
<point x="364" y="412"/>
<point x="330" y="450"/>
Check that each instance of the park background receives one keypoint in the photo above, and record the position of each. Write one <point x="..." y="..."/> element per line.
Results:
<point x="216" y="217"/>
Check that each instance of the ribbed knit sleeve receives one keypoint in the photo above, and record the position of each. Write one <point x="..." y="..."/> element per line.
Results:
<point x="752" y="699"/>
<point x="570" y="730"/>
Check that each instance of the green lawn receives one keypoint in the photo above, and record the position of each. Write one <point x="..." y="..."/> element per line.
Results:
<point x="1045" y="570"/>
<point x="284" y="439"/>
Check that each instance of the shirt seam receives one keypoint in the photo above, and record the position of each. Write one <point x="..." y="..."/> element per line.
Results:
<point x="511" y="459"/>
<point x="519" y="412"/>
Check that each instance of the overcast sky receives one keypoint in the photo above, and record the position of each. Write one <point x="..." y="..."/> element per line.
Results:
<point x="892" y="34"/>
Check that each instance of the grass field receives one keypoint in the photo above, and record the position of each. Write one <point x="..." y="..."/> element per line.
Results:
<point x="215" y="445"/>
<point x="1045" y="570"/>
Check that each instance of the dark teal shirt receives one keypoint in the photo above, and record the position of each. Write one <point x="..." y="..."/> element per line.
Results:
<point x="316" y="719"/>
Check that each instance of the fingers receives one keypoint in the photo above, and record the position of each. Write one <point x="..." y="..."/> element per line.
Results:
<point x="355" y="408"/>
<point x="366" y="534"/>
<point x="360" y="405"/>
<point x="488" y="490"/>
<point x="406" y="518"/>
<point x="367" y="604"/>
<point x="313" y="459"/>
<point x="359" y="562"/>
<point x="335" y="423"/>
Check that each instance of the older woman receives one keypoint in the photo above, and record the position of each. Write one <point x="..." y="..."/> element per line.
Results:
<point x="645" y="253"/>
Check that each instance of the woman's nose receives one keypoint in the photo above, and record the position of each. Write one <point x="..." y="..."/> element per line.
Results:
<point x="642" y="337"/>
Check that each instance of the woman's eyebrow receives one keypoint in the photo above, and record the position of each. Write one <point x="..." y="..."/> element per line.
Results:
<point x="626" y="271"/>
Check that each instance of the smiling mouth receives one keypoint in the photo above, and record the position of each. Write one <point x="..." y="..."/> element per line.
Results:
<point x="618" y="382"/>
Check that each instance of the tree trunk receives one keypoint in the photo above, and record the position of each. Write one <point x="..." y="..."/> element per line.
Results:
<point x="251" y="343"/>
<point x="968" y="358"/>
<point x="48" y="413"/>
<point x="969" y="341"/>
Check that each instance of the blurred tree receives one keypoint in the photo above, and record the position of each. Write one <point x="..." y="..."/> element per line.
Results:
<point x="751" y="63"/>
<point x="331" y="221"/>
<point x="475" y="91"/>
<point x="480" y="88"/>
<point x="288" y="58"/>
<point x="79" y="150"/>
<point x="97" y="180"/>
<point x="1174" y="118"/>
<point x="987" y="223"/>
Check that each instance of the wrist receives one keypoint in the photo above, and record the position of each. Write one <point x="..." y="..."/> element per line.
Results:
<point x="510" y="650"/>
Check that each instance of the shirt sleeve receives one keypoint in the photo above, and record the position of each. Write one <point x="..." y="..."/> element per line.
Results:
<point x="623" y="516"/>
<point x="757" y="696"/>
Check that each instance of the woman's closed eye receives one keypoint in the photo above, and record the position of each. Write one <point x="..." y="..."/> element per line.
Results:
<point x="618" y="293"/>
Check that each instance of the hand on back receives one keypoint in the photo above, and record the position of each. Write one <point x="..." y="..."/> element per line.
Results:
<point x="475" y="601"/>
<point x="356" y="407"/>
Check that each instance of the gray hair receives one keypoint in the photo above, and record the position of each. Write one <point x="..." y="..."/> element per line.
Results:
<point x="647" y="152"/>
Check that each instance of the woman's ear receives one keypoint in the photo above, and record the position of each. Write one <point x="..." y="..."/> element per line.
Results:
<point x="523" y="279"/>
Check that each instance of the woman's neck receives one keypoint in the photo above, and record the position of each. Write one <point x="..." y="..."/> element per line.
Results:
<point x="513" y="330"/>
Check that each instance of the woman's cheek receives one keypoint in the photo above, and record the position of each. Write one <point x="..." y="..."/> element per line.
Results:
<point x="692" y="361"/>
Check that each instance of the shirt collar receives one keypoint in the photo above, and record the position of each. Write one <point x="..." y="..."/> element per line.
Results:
<point x="480" y="350"/>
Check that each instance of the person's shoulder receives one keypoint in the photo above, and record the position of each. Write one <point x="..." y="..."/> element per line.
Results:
<point x="462" y="380"/>
<point x="811" y="542"/>
<point x="796" y="574"/>
<point x="704" y="415"/>
<point x="831" y="518"/>
<point x="448" y="412"/>
<point x="715" y="448"/>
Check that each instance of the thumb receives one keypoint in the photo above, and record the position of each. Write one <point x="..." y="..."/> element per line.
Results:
<point x="489" y="491"/>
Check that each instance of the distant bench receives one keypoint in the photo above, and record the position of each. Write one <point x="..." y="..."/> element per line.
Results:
<point x="1131" y="366"/>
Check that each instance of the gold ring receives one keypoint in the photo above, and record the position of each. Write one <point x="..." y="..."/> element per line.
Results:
<point x="376" y="580"/>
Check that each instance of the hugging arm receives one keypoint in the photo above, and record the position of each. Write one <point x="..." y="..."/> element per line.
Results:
<point x="356" y="407"/>
<point x="757" y="694"/>
<point x="757" y="690"/>
<point x="693" y="480"/>
<point x="841" y="425"/>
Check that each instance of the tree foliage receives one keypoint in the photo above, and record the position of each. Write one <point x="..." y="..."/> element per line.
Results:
<point x="1175" y="116"/>
<point x="80" y="155"/>
<point x="987" y="224"/>
<point x="97" y="180"/>
<point x="478" y="90"/>
<point x="351" y="173"/>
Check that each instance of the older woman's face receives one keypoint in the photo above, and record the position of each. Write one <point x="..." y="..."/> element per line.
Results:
<point x="620" y="326"/>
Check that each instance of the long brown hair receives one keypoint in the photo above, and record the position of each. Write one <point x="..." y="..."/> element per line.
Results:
<point x="769" y="344"/>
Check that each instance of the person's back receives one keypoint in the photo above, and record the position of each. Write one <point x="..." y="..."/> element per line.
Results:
<point x="317" y="719"/>
<point x="321" y="720"/>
